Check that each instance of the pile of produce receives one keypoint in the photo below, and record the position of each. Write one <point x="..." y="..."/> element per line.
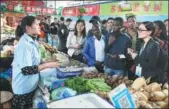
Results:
<point x="5" y="54"/>
<point x="49" y="48"/>
<point x="47" y="53"/>
<point x="82" y="85"/>
<point x="76" y="63"/>
<point x="112" y="81"/>
<point x="152" y="95"/>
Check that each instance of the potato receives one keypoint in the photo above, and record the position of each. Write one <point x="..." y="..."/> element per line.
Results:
<point x="158" y="95"/>
<point x="141" y="89"/>
<point x="148" y="106"/>
<point x="131" y="90"/>
<point x="127" y="82"/>
<point x="165" y="91"/>
<point x="147" y="88"/>
<point x="155" y="87"/>
<point x="162" y="104"/>
<point x="142" y="104"/>
<point x="141" y="96"/>
<point x="165" y="86"/>
<point x="137" y="104"/>
<point x="114" y="79"/>
<point x="147" y="94"/>
<point x="125" y="78"/>
<point x="138" y="83"/>
<point x="166" y="100"/>
<point x="120" y="77"/>
<point x="154" y="105"/>
<point x="120" y="81"/>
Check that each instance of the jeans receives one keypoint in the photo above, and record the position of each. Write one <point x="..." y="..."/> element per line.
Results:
<point x="113" y="72"/>
<point x="54" y="37"/>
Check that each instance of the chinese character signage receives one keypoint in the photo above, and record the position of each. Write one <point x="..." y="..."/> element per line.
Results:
<point x="138" y="8"/>
<point x="72" y="11"/>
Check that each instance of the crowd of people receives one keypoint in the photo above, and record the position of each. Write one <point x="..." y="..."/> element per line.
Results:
<point x="111" y="47"/>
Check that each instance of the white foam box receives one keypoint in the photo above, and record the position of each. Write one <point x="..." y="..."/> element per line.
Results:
<point x="89" y="100"/>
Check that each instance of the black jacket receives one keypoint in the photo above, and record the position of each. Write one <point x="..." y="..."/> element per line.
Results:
<point x="119" y="46"/>
<point x="148" y="60"/>
<point x="55" y="28"/>
<point x="63" y="35"/>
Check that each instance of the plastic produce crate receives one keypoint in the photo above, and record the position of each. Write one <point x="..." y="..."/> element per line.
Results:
<point x="63" y="75"/>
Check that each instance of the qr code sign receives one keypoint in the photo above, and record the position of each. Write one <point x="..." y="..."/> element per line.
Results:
<point x="124" y="102"/>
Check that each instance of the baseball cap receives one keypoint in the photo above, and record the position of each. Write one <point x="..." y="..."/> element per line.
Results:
<point x="94" y="18"/>
<point x="94" y="22"/>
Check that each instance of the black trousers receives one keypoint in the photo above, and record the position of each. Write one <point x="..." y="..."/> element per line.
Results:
<point x="23" y="101"/>
<point x="78" y="58"/>
<point x="100" y="67"/>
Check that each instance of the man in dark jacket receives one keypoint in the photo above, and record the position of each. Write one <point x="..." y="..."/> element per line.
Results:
<point x="63" y="34"/>
<point x="54" y="27"/>
<point x="103" y="30"/>
<point x="116" y="49"/>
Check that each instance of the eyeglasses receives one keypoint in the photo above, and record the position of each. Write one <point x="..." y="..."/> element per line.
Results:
<point x="140" y="30"/>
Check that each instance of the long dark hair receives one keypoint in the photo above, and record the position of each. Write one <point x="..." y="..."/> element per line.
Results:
<point x="18" y="32"/>
<point x="149" y="26"/>
<point x="84" y="31"/>
<point x="26" y="21"/>
<point x="163" y="34"/>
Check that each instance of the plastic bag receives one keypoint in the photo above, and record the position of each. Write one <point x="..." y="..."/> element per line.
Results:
<point x="57" y="84"/>
<point x="62" y="92"/>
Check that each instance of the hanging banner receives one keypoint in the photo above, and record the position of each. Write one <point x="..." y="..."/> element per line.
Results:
<point x="138" y="8"/>
<point x="72" y="11"/>
<point x="91" y="10"/>
<point x="50" y="11"/>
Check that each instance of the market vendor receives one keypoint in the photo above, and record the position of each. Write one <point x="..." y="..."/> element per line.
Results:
<point x="26" y="65"/>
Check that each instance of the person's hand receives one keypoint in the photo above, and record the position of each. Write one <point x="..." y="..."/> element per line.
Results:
<point x="133" y="55"/>
<point x="15" y="42"/>
<point x="76" y="46"/>
<point x="53" y="64"/>
<point x="111" y="40"/>
<point x="130" y="51"/>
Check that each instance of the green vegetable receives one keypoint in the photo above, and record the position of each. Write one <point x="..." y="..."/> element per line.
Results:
<point x="82" y="85"/>
<point x="47" y="54"/>
<point x="42" y="51"/>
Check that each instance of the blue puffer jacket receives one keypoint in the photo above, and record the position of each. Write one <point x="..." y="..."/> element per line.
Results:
<point x="89" y="51"/>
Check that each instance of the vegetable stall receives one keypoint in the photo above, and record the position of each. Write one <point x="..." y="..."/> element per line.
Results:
<point x="76" y="80"/>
